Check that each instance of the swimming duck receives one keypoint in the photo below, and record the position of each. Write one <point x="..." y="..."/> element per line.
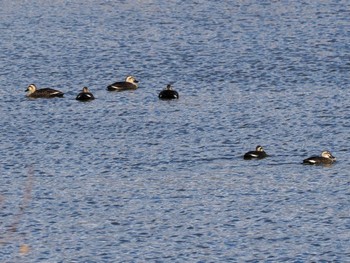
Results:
<point x="259" y="153"/>
<point x="85" y="95"/>
<point x="130" y="83"/>
<point x="325" y="158"/>
<point x="168" y="93"/>
<point x="33" y="92"/>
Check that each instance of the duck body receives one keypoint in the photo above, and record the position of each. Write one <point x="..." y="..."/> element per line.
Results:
<point x="325" y="158"/>
<point x="130" y="83"/>
<point x="33" y="92"/>
<point x="85" y="95"/>
<point x="168" y="93"/>
<point x="259" y="153"/>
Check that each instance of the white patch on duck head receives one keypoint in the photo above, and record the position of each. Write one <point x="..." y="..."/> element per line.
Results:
<point x="259" y="148"/>
<point x="131" y="79"/>
<point x="86" y="90"/>
<point x="31" y="88"/>
<point x="328" y="155"/>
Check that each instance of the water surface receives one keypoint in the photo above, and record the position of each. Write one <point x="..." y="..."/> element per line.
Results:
<point x="130" y="178"/>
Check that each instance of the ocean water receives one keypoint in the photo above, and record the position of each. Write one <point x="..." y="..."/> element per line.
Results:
<point x="130" y="178"/>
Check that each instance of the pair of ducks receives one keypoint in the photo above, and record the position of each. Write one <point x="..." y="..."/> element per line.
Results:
<point x="325" y="158"/>
<point x="130" y="83"/>
<point x="35" y="93"/>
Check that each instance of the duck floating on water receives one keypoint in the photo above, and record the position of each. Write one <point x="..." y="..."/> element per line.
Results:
<point x="325" y="158"/>
<point x="130" y="83"/>
<point x="168" y="93"/>
<point x="259" y="153"/>
<point x="33" y="92"/>
<point x="85" y="95"/>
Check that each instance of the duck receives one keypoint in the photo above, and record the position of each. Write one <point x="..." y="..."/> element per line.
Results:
<point x="168" y="93"/>
<point x="259" y="153"/>
<point x="33" y="92"/>
<point x="85" y="95"/>
<point x="325" y="158"/>
<point x="130" y="83"/>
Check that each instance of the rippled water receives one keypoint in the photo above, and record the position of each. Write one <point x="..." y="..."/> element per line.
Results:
<point x="130" y="178"/>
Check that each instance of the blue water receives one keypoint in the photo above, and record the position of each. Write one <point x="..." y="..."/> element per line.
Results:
<point x="130" y="178"/>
